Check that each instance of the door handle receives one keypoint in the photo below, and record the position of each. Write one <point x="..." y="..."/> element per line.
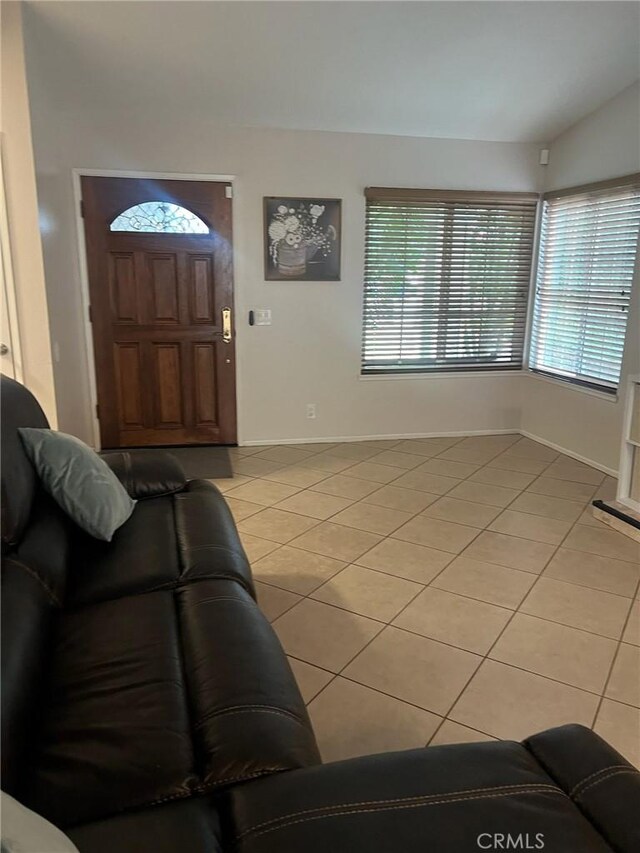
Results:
<point x="226" y="325"/>
<point x="4" y="349"/>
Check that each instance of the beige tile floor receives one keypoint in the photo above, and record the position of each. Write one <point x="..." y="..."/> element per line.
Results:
<point x="441" y="590"/>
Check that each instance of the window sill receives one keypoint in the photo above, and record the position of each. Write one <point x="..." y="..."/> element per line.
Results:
<point x="471" y="374"/>
<point x="570" y="386"/>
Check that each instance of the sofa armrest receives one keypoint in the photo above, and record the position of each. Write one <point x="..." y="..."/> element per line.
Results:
<point x="602" y="784"/>
<point x="146" y="474"/>
<point x="246" y="707"/>
<point x="457" y="798"/>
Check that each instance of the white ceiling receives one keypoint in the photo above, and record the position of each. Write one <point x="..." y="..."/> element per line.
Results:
<point x="512" y="71"/>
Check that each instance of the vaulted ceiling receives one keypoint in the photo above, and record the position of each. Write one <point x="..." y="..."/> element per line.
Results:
<point x="511" y="71"/>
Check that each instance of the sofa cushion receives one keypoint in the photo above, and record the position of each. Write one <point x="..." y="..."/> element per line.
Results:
<point x="168" y="541"/>
<point x="160" y="696"/>
<point x="186" y="826"/>
<point x="142" y="556"/>
<point x="117" y="732"/>
<point x="452" y="799"/>
<point x="207" y="536"/>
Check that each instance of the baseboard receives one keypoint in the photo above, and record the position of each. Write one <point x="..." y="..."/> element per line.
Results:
<point x="612" y="472"/>
<point x="343" y="439"/>
<point x="409" y="435"/>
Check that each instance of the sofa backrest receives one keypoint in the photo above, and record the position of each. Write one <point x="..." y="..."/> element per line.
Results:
<point x="19" y="482"/>
<point x="35" y="546"/>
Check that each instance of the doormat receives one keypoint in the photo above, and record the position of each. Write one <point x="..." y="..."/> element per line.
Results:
<point x="207" y="462"/>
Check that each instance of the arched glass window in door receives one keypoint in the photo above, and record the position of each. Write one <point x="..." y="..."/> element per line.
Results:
<point x="159" y="217"/>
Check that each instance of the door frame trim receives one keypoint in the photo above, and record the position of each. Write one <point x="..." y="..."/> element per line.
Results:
<point x="77" y="175"/>
<point x="8" y="277"/>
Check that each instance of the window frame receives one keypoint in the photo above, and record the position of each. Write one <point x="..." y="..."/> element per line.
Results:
<point x="601" y="389"/>
<point x="462" y="197"/>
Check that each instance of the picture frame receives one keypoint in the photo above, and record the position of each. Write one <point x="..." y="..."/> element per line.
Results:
<point x="302" y="238"/>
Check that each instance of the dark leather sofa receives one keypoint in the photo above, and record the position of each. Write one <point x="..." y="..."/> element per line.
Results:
<point x="137" y="672"/>
<point x="144" y="695"/>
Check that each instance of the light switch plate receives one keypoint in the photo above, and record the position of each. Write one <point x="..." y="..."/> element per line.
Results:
<point x="262" y="316"/>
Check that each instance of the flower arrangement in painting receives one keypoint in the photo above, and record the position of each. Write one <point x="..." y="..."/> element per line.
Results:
<point x="296" y="235"/>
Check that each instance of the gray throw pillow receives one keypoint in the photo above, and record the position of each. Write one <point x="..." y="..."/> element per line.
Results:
<point x="80" y="482"/>
<point x="24" y="831"/>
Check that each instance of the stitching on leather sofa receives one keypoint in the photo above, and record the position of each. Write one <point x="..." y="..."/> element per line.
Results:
<point x="211" y="786"/>
<point x="188" y="549"/>
<point x="616" y="772"/>
<point x="53" y="598"/>
<point x="207" y="787"/>
<point x="241" y="709"/>
<point x="181" y="583"/>
<point x="597" y="773"/>
<point x="176" y="586"/>
<point x="422" y="798"/>
<point x="218" y="597"/>
<point x="185" y="551"/>
<point x="525" y="789"/>
<point x="180" y="796"/>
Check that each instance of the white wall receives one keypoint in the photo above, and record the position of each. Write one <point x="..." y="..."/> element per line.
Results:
<point x="605" y="144"/>
<point x="35" y="368"/>
<point x="311" y="352"/>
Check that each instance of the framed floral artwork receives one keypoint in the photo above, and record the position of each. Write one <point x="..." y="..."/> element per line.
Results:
<point x="302" y="240"/>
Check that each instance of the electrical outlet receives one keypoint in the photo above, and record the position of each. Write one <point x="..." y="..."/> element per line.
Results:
<point x="311" y="410"/>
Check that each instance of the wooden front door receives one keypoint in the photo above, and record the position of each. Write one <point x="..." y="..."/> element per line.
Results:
<point x="159" y="257"/>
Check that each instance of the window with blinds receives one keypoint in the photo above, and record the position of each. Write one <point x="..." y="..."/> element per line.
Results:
<point x="446" y="280"/>
<point x="588" y="244"/>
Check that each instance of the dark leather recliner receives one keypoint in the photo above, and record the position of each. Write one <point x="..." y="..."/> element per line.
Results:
<point x="144" y="695"/>
<point x="562" y="791"/>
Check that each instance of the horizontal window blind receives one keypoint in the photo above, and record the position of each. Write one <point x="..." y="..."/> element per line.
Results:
<point x="588" y="244"/>
<point x="446" y="280"/>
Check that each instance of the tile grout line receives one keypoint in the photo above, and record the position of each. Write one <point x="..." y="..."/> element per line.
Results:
<point x="386" y="625"/>
<point x="367" y="644"/>
<point x="390" y="483"/>
<point x="412" y="517"/>
<point x="421" y="512"/>
<point x="449" y="645"/>
<point x="614" y="659"/>
<point x="517" y="611"/>
<point x="455" y="556"/>
<point x="486" y="655"/>
<point x="381" y="486"/>
<point x="390" y="535"/>
<point x="403" y="471"/>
